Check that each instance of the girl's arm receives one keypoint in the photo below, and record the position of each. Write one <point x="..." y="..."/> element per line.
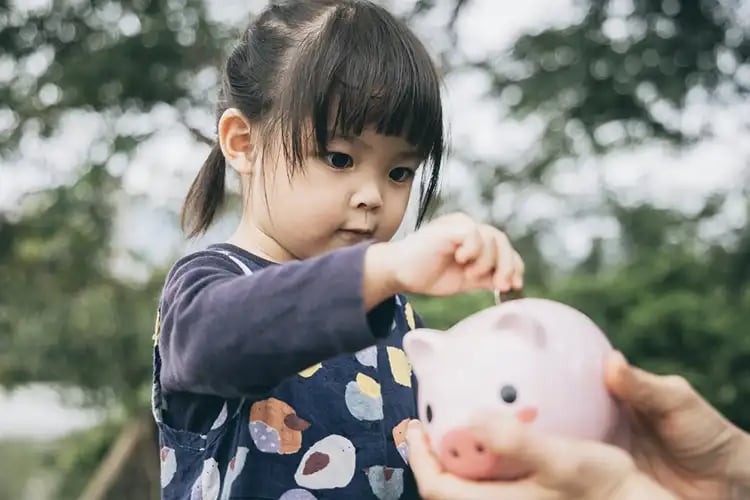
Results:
<point x="232" y="335"/>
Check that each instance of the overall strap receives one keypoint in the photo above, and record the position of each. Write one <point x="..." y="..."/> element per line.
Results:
<point x="243" y="267"/>
<point x="158" y="404"/>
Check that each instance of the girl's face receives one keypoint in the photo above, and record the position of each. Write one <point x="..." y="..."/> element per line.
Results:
<point x="359" y="190"/>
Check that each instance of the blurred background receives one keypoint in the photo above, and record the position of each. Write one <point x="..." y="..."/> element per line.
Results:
<point x="609" y="138"/>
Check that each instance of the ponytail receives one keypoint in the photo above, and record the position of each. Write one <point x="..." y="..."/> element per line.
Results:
<point x="205" y="196"/>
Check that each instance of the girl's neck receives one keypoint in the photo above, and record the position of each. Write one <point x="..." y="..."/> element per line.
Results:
<point x="250" y="237"/>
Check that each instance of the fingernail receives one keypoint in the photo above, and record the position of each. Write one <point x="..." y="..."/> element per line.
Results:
<point x="412" y="430"/>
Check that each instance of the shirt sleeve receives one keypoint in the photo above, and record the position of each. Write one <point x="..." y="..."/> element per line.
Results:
<point x="232" y="335"/>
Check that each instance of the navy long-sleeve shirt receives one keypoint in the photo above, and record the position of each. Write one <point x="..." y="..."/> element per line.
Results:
<point x="273" y="380"/>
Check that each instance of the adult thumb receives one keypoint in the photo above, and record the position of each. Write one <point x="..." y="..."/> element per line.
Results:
<point x="642" y="390"/>
<point x="554" y="461"/>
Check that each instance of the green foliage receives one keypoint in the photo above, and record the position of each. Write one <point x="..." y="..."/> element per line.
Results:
<point x="61" y="301"/>
<point x="442" y="313"/>
<point x="80" y="454"/>
<point x="22" y="460"/>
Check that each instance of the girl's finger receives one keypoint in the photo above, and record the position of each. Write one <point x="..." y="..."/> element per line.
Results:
<point x="484" y="282"/>
<point x="470" y="248"/>
<point x="505" y="265"/>
<point x="484" y="264"/>
<point x="518" y="271"/>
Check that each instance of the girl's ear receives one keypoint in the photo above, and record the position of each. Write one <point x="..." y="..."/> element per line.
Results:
<point x="236" y="138"/>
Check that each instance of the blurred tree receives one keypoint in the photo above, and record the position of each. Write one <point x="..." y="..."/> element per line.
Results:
<point x="111" y="57"/>
<point x="623" y="76"/>
<point x="66" y="317"/>
<point x="619" y="77"/>
<point x="60" y="300"/>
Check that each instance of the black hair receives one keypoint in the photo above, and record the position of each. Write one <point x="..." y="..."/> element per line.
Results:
<point x="309" y="70"/>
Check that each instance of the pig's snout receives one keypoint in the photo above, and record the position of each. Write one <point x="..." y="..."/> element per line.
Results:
<point x="461" y="454"/>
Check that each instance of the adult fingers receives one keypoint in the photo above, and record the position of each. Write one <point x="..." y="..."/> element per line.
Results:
<point x="435" y="484"/>
<point x="644" y="391"/>
<point x="557" y="463"/>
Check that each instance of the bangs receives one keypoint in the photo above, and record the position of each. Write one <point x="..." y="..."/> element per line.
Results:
<point x="362" y="69"/>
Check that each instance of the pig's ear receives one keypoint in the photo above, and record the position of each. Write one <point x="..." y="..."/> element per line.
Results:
<point x="420" y="344"/>
<point x="524" y="326"/>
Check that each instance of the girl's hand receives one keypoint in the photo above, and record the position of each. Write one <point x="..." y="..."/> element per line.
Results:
<point x="563" y="469"/>
<point x="455" y="254"/>
<point x="679" y="439"/>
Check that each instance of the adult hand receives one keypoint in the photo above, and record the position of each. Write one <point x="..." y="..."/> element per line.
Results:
<point x="679" y="439"/>
<point x="562" y="468"/>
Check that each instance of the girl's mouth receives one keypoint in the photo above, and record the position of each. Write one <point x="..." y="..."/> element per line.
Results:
<point x="357" y="234"/>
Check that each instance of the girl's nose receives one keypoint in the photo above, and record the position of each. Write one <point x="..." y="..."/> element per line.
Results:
<point x="367" y="196"/>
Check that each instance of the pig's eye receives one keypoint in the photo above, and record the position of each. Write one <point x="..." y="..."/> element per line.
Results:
<point x="428" y="413"/>
<point x="508" y="393"/>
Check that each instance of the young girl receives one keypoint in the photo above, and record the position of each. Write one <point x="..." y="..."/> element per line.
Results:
<point x="278" y="368"/>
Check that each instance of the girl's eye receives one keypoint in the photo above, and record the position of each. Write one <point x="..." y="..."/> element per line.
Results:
<point x="401" y="174"/>
<point x="339" y="160"/>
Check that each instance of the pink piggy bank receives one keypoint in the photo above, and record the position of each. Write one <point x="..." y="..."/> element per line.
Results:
<point x="539" y="360"/>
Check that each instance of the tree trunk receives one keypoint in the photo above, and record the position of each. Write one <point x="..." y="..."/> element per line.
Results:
<point x="130" y="471"/>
